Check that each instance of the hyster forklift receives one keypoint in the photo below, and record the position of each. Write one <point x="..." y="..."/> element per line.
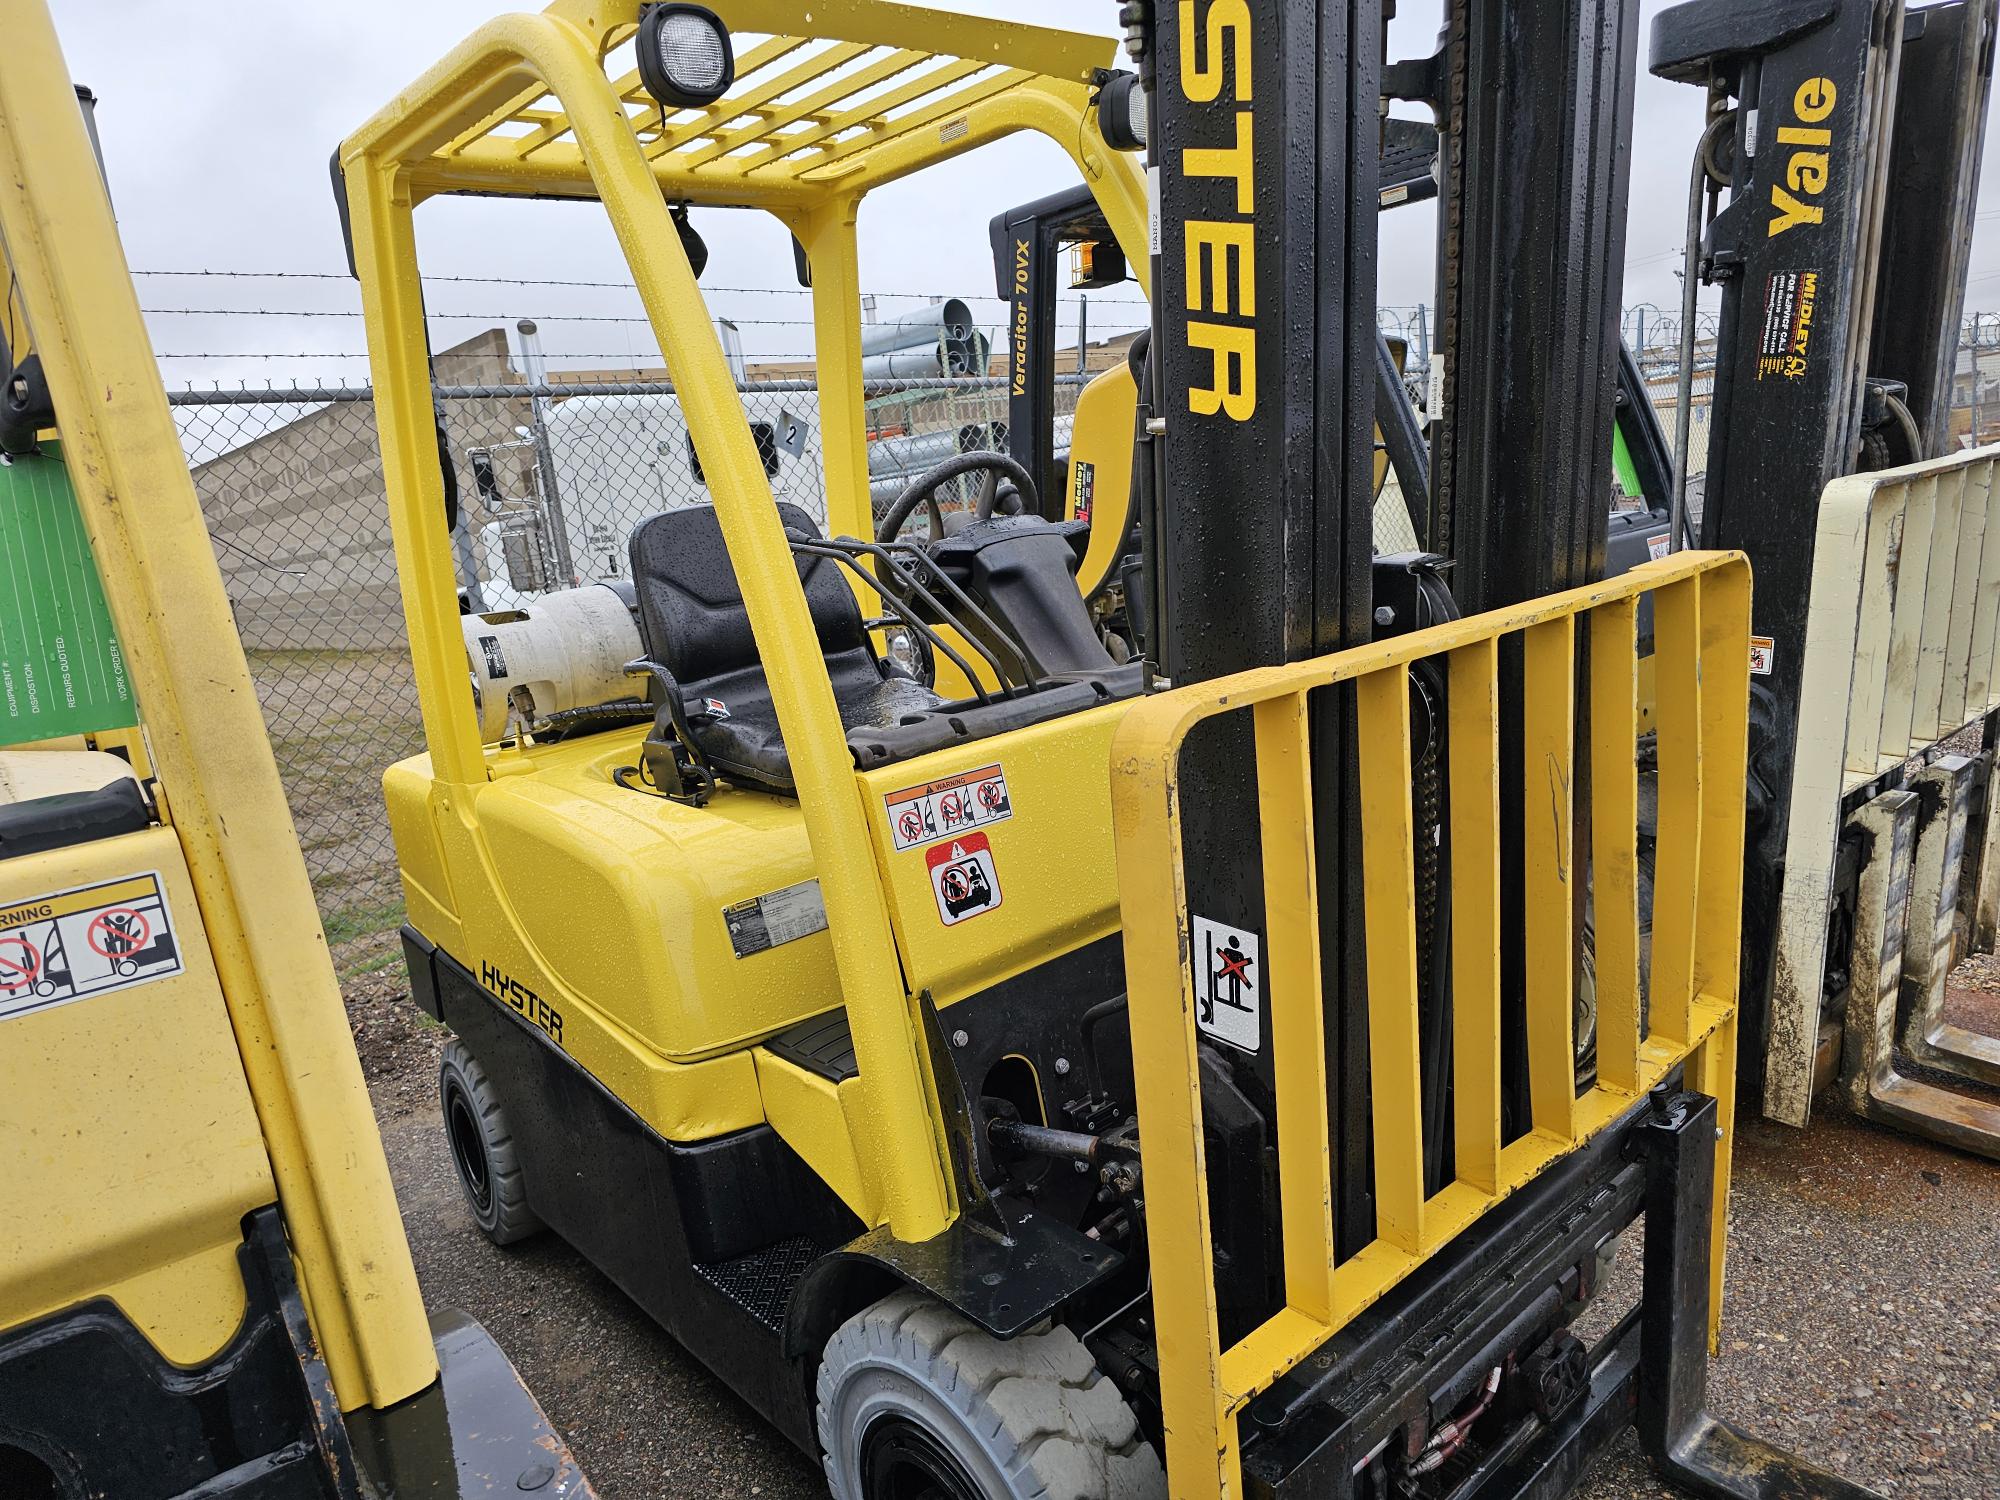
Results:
<point x="204" y="1285"/>
<point x="1023" y="1071"/>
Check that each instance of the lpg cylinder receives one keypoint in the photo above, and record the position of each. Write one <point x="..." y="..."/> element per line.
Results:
<point x="564" y="650"/>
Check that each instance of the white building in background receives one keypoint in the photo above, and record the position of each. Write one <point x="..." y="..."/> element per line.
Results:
<point x="616" y="460"/>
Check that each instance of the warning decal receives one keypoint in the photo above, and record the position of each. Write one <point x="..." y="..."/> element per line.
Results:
<point x="1228" y="984"/>
<point x="84" y="942"/>
<point x="1762" y="652"/>
<point x="963" y="878"/>
<point x="777" y="917"/>
<point x="945" y="809"/>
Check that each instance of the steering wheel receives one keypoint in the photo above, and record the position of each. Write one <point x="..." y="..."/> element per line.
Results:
<point x="923" y="491"/>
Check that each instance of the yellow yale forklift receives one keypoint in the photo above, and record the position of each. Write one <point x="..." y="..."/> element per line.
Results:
<point x="204" y="1286"/>
<point x="1021" y="1066"/>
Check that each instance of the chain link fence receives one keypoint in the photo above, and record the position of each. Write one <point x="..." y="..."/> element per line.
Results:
<point x="551" y="482"/>
<point x="1655" y="337"/>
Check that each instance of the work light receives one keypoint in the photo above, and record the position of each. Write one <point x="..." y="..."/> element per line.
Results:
<point x="1121" y="112"/>
<point x="684" y="55"/>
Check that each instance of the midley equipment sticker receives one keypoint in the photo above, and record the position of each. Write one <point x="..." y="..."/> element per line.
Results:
<point x="945" y="809"/>
<point x="83" y="942"/>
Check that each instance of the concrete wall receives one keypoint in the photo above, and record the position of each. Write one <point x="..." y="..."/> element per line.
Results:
<point x="298" y="515"/>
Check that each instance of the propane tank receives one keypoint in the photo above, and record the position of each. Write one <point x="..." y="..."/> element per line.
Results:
<point x="561" y="651"/>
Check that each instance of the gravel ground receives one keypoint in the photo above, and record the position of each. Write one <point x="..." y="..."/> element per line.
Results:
<point x="1863" y="1305"/>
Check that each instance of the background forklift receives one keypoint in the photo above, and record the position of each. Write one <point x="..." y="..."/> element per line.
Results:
<point x="1115" y="1077"/>
<point x="1841" y="247"/>
<point x="1088" y="475"/>
<point x="1868" y="873"/>
<point x="204" y="1286"/>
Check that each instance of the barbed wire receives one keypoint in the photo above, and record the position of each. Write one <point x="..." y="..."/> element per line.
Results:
<point x="625" y="357"/>
<point x="302" y="312"/>
<point x="1653" y="332"/>
<point x="622" y="286"/>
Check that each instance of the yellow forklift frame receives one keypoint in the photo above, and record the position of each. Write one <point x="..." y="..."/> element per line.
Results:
<point x="202" y="1236"/>
<point x="1701" y="613"/>
<point x="525" y="108"/>
<point x="206" y="737"/>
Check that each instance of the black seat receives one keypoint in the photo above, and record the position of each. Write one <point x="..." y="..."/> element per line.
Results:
<point x="693" y="621"/>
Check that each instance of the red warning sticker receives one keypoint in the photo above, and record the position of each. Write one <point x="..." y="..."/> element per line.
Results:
<point x="963" y="878"/>
<point x="118" y="933"/>
<point x="70" y="945"/>
<point x="945" y="809"/>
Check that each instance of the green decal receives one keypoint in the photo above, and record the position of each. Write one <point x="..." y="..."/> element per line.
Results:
<point x="61" y="671"/>
<point x="1621" y="463"/>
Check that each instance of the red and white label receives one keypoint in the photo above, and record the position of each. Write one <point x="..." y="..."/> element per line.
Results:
<point x="73" y="944"/>
<point x="949" y="808"/>
<point x="1762" y="650"/>
<point x="1228" y="984"/>
<point x="963" y="878"/>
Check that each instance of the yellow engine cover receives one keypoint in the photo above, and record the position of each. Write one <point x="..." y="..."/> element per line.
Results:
<point x="132" y="1151"/>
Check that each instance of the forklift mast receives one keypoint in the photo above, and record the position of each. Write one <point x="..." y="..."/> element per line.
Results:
<point x="1535" y="106"/>
<point x="1265" y="342"/>
<point x="1834" y="189"/>
<point x="1257" y="538"/>
<point x="1942" y="100"/>
<point x="1271" y="803"/>
<point x="1793" y="251"/>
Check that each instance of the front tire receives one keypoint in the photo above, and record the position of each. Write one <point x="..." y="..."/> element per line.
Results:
<point x="482" y="1149"/>
<point x="918" y="1403"/>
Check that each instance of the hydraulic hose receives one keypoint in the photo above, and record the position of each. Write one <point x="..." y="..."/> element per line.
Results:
<point x="1142" y="383"/>
<point x="1403" y="439"/>
<point x="1690" y="289"/>
<point x="1907" y="424"/>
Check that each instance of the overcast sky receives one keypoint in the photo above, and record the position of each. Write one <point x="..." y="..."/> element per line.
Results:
<point x="218" y="117"/>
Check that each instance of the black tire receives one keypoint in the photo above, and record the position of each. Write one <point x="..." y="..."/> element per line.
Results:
<point x="482" y="1149"/>
<point x="917" y="1403"/>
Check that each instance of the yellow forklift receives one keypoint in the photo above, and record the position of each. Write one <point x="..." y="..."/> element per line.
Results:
<point x="1019" y="1067"/>
<point x="204" y="1285"/>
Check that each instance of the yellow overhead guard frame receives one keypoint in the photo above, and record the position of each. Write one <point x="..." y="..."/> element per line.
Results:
<point x="837" y="98"/>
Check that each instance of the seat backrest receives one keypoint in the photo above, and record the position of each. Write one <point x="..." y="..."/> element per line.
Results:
<point x="691" y="611"/>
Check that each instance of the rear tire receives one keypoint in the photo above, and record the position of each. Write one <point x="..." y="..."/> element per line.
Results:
<point x="482" y="1149"/>
<point x="918" y="1403"/>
